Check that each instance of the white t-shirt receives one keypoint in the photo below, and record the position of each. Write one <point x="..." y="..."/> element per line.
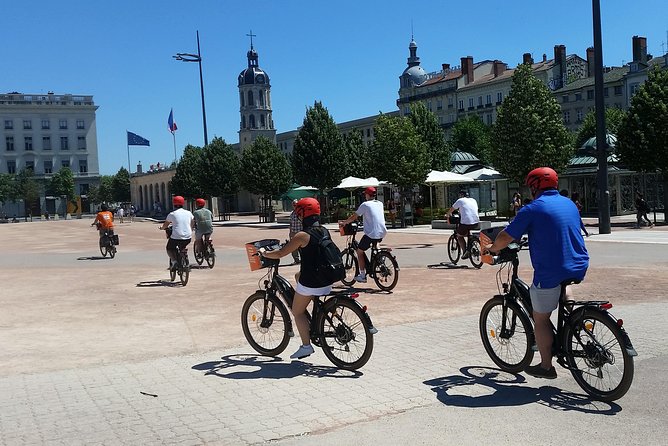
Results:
<point x="374" y="219"/>
<point x="468" y="209"/>
<point x="181" y="220"/>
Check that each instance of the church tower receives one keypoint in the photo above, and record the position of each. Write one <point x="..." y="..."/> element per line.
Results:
<point x="254" y="102"/>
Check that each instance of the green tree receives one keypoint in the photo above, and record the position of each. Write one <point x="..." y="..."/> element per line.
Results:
<point x="318" y="156"/>
<point x="426" y="124"/>
<point x="471" y="135"/>
<point x="529" y="130"/>
<point x="120" y="185"/>
<point x="27" y="188"/>
<point x="219" y="169"/>
<point x="102" y="193"/>
<point x="357" y="160"/>
<point x="266" y="170"/>
<point x="7" y="188"/>
<point x="186" y="178"/>
<point x="613" y="119"/>
<point x="642" y="138"/>
<point x="62" y="183"/>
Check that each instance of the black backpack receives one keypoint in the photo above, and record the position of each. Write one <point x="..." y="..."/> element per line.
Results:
<point x="329" y="265"/>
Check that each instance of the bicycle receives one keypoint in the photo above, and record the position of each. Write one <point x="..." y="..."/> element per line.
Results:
<point x="588" y="341"/>
<point x="339" y="324"/>
<point x="208" y="253"/>
<point x="182" y="266"/>
<point x="382" y="265"/>
<point x="108" y="241"/>
<point x="472" y="246"/>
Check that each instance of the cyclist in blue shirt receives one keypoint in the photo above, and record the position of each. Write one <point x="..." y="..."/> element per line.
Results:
<point x="557" y="252"/>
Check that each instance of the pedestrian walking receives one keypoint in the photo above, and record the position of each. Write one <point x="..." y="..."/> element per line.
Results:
<point x="295" y="228"/>
<point x="642" y="208"/>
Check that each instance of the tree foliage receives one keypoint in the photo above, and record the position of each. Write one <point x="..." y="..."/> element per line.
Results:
<point x="529" y="130"/>
<point x="613" y="118"/>
<point x="186" y="179"/>
<point x="120" y="186"/>
<point x="318" y="156"/>
<point x="642" y="137"/>
<point x="62" y="183"/>
<point x="219" y="171"/>
<point x="102" y="193"/>
<point x="357" y="159"/>
<point x="399" y="153"/>
<point x="7" y="188"/>
<point x="266" y="170"/>
<point x="426" y="125"/>
<point x="471" y="135"/>
<point x="27" y="188"/>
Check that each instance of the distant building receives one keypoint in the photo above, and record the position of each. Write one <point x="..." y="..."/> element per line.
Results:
<point x="46" y="132"/>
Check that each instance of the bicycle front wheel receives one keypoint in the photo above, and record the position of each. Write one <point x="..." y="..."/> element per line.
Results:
<point x="184" y="273"/>
<point x="349" y="258"/>
<point x="210" y="256"/>
<point x="507" y="335"/>
<point x="597" y="356"/>
<point x="385" y="271"/>
<point x="475" y="252"/>
<point x="199" y="256"/>
<point x="112" y="251"/>
<point x="454" y="251"/>
<point x="344" y="334"/>
<point x="103" y="248"/>
<point x="265" y="322"/>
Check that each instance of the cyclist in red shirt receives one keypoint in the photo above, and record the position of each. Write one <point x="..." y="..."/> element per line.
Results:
<point x="104" y="220"/>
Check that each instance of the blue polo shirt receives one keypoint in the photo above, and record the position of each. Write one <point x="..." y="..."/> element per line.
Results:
<point x="556" y="246"/>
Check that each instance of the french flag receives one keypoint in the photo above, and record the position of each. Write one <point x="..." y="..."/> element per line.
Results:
<point x="170" y="121"/>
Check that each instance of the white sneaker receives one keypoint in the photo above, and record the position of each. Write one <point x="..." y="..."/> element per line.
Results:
<point x="360" y="278"/>
<point x="303" y="352"/>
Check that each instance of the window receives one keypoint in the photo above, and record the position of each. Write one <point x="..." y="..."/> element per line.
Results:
<point x="578" y="96"/>
<point x="46" y="124"/>
<point x="450" y="102"/>
<point x="470" y="102"/>
<point x="479" y="101"/>
<point x="489" y="119"/>
<point x="461" y="104"/>
<point x="564" y="98"/>
<point x="262" y="122"/>
<point x="579" y="115"/>
<point x="250" y="98"/>
<point x="62" y="124"/>
<point x="27" y="124"/>
<point x="618" y="90"/>
<point x="64" y="144"/>
<point x="27" y="142"/>
<point x="632" y="90"/>
<point x="241" y="98"/>
<point x="11" y="166"/>
<point x="48" y="166"/>
<point x="83" y="166"/>
<point x="439" y="104"/>
<point x="9" y="124"/>
<point x="499" y="97"/>
<point x="65" y="163"/>
<point x="81" y="143"/>
<point x="489" y="99"/>
<point x="368" y="133"/>
<point x="46" y="143"/>
<point x="567" y="117"/>
<point x="80" y="124"/>
<point x="428" y="105"/>
<point x="260" y="95"/>
<point x="590" y="95"/>
<point x="30" y="165"/>
<point x="9" y="143"/>
<point x="251" y="121"/>
<point x="605" y="92"/>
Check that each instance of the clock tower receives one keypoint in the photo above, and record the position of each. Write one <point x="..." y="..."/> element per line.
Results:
<point x="254" y="102"/>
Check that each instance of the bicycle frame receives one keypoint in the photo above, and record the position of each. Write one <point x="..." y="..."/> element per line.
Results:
<point x="368" y="261"/>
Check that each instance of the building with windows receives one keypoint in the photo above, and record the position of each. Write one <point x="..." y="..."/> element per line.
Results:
<point x="44" y="133"/>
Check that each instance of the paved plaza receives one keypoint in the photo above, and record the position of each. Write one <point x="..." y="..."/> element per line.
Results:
<point x="99" y="351"/>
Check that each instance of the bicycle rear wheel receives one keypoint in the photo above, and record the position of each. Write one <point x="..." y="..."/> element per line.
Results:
<point x="210" y="255"/>
<point x="344" y="334"/>
<point x="349" y="257"/>
<point x="454" y="250"/>
<point x="507" y="335"/>
<point x="597" y="356"/>
<point x="199" y="255"/>
<point x="103" y="247"/>
<point x="266" y="324"/>
<point x="112" y="251"/>
<point x="184" y="270"/>
<point x="385" y="271"/>
<point x="475" y="252"/>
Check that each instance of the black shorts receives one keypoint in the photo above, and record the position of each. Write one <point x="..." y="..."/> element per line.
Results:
<point x="465" y="230"/>
<point x="365" y="242"/>
<point x="173" y="244"/>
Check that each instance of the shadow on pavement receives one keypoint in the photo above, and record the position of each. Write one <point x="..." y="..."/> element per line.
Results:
<point x="163" y="282"/>
<point x="416" y="245"/>
<point x="195" y="266"/>
<point x="94" y="258"/>
<point x="496" y="388"/>
<point x="359" y="289"/>
<point x="447" y="265"/>
<point x="256" y="367"/>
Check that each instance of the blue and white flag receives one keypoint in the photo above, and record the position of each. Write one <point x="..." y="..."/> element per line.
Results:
<point x="136" y="140"/>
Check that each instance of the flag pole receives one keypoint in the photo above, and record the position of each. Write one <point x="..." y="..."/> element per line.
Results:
<point x="126" y="139"/>
<point x="174" y="138"/>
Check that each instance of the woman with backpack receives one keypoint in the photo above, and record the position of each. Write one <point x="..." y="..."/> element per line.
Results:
<point x="310" y="282"/>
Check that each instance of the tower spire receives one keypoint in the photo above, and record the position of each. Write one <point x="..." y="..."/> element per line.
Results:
<point x="251" y="35"/>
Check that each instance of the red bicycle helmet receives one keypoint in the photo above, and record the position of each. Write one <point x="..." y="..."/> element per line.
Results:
<point x="200" y="203"/>
<point x="371" y="191"/>
<point x="178" y="200"/>
<point x="542" y="178"/>
<point x="307" y="207"/>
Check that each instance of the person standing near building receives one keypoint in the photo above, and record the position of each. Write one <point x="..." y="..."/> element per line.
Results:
<point x="295" y="228"/>
<point x="469" y="219"/>
<point x="392" y="211"/>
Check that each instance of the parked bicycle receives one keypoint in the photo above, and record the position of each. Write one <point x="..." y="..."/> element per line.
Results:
<point x="182" y="266"/>
<point x="588" y="340"/>
<point x="339" y="324"/>
<point x="472" y="245"/>
<point x="108" y="242"/>
<point x="205" y="252"/>
<point x="382" y="265"/>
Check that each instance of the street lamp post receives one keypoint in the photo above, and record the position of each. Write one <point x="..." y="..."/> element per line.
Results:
<point x="188" y="57"/>
<point x="601" y="140"/>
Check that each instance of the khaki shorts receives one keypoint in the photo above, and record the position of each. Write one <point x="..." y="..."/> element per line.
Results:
<point x="544" y="300"/>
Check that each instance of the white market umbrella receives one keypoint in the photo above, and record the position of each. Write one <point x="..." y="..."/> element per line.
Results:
<point x="484" y="174"/>
<point x="443" y="177"/>
<point x="352" y="183"/>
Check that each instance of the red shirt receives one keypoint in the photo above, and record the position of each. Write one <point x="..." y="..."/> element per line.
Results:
<point x="105" y="220"/>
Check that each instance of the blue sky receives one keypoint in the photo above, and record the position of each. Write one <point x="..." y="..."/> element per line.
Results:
<point x="347" y="54"/>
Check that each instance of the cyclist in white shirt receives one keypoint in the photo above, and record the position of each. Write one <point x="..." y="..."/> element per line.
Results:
<point x="469" y="219"/>
<point x="373" y="213"/>
<point x="182" y="223"/>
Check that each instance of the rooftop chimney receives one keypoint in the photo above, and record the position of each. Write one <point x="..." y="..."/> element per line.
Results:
<point x="544" y="57"/>
<point x="560" y="62"/>
<point x="499" y="68"/>
<point x="467" y="68"/>
<point x="139" y="168"/>
<point x="590" y="61"/>
<point x="639" y="49"/>
<point x="445" y="66"/>
<point x="527" y="59"/>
